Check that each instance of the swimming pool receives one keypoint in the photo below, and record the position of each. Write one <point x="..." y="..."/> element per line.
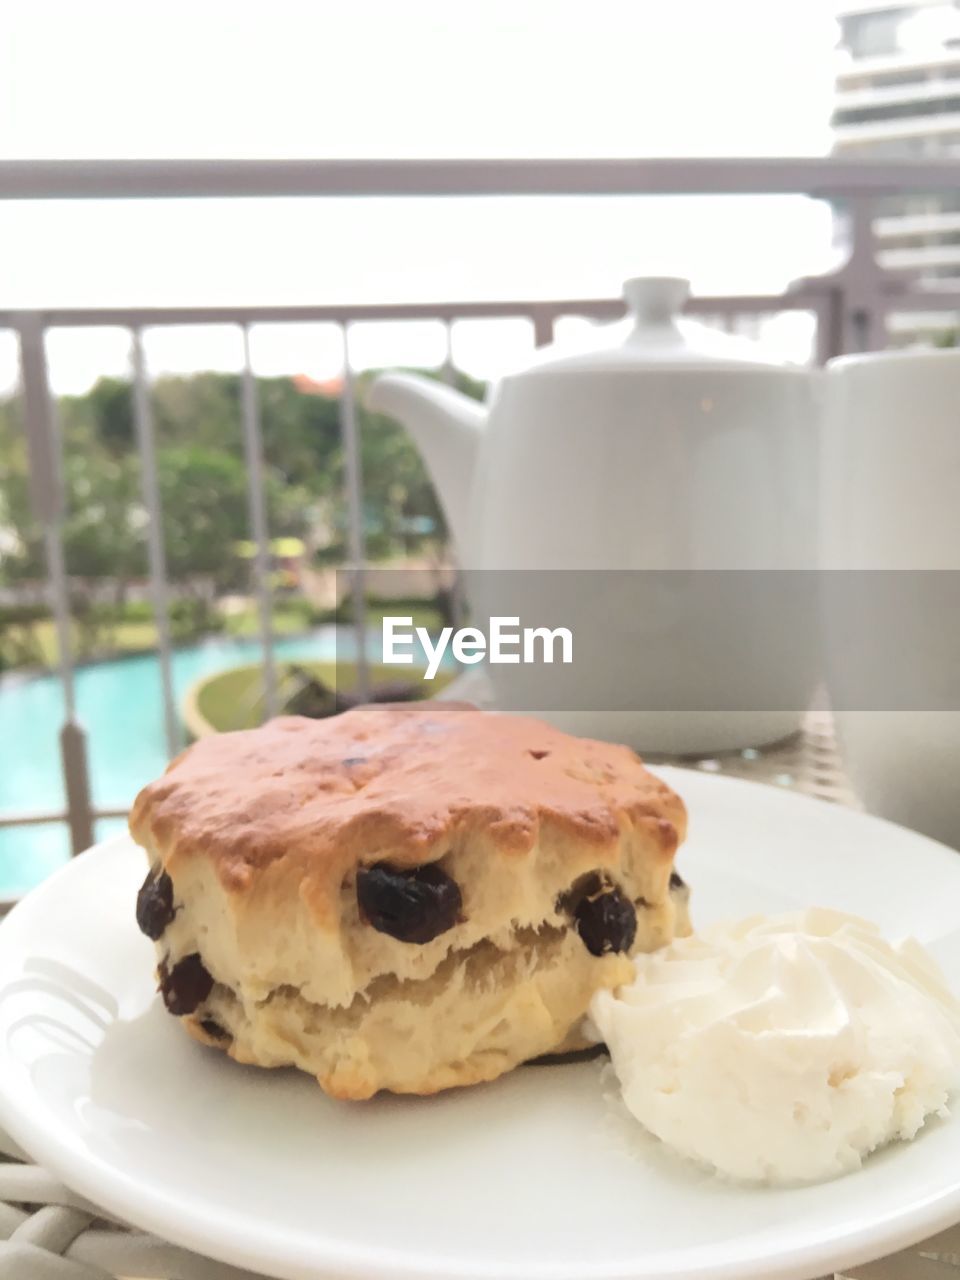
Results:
<point x="119" y="704"/>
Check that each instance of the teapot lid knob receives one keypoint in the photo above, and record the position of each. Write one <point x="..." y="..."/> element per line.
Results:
<point x="656" y="299"/>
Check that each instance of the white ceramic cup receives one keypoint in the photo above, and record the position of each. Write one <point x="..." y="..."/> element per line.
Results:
<point x="891" y="500"/>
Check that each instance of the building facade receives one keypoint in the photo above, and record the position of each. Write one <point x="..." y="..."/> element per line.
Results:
<point x="898" y="96"/>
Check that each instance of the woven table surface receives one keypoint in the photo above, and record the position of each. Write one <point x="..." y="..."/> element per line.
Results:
<point x="48" y="1233"/>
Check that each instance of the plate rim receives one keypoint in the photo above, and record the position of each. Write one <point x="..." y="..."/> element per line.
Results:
<point x="238" y="1244"/>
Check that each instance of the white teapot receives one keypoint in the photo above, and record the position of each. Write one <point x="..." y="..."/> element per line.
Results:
<point x="680" y="448"/>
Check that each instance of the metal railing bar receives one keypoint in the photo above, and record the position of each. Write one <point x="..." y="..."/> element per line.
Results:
<point x="865" y="286"/>
<point x="173" y="179"/>
<point x="32" y="817"/>
<point x="43" y="447"/>
<point x="350" y="432"/>
<point x="448" y="374"/>
<point x="545" y="312"/>
<point x="543" y="322"/>
<point x="46" y="487"/>
<point x="828" y="341"/>
<point x="38" y="817"/>
<point x="60" y="605"/>
<point x="598" y="308"/>
<point x="76" y="779"/>
<point x="256" y="493"/>
<point x="448" y="370"/>
<point x="46" y="493"/>
<point x="146" y="442"/>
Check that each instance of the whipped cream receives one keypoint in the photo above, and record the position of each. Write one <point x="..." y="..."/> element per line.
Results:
<point x="786" y="1048"/>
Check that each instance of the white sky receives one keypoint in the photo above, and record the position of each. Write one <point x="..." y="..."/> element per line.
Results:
<point x="398" y="78"/>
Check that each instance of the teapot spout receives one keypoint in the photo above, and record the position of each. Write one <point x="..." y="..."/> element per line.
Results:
<point x="447" y="428"/>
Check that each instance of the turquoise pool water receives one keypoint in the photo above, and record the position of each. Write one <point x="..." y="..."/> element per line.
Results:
<point x="119" y="704"/>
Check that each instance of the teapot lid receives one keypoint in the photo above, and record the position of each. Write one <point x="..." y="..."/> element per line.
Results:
<point x="659" y="338"/>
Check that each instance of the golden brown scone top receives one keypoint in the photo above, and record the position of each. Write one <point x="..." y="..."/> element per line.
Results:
<point x="399" y="783"/>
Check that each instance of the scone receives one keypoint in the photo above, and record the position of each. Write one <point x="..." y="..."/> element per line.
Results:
<point x="403" y="897"/>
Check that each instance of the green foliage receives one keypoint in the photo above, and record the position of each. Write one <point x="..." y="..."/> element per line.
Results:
<point x="19" y="643"/>
<point x="103" y="529"/>
<point x="203" y="488"/>
<point x="301" y="436"/>
<point x="192" y="616"/>
<point x="110" y="404"/>
<point x="203" y="409"/>
<point x="131" y="611"/>
<point x="205" y="503"/>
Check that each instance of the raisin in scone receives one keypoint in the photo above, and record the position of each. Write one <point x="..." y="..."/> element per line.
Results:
<point x="403" y="897"/>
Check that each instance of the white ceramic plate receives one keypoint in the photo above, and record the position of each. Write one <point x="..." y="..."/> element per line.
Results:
<point x="529" y="1177"/>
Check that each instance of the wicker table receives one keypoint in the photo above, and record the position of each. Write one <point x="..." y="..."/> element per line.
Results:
<point x="48" y="1233"/>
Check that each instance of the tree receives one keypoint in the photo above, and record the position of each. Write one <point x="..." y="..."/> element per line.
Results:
<point x="204" y="498"/>
<point x="205" y="501"/>
<point x="301" y="435"/>
<point x="203" y="409"/>
<point x="102" y="527"/>
<point x="203" y="482"/>
<point x="398" y="494"/>
<point x="110" y="405"/>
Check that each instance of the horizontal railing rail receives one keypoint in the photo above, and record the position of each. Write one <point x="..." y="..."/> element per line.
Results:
<point x="448" y="312"/>
<point x="213" y="179"/>
<point x="40" y="817"/>
<point x="445" y="312"/>
<point x="850" y="306"/>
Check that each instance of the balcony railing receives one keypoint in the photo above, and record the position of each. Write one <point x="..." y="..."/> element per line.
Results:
<point x="850" y="307"/>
